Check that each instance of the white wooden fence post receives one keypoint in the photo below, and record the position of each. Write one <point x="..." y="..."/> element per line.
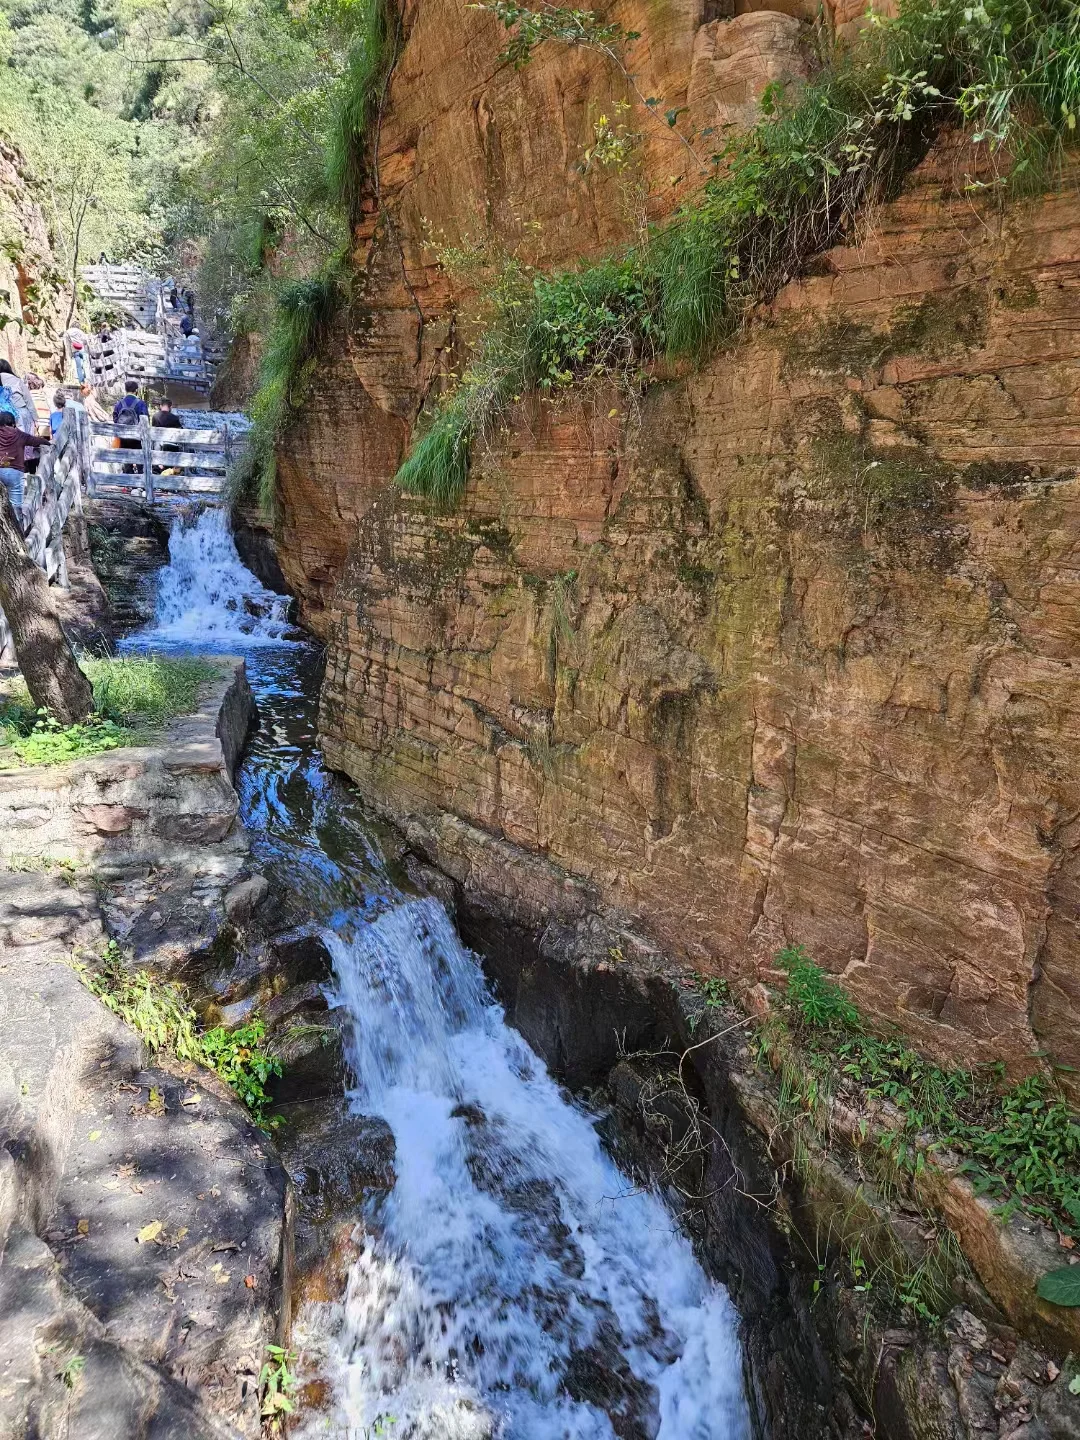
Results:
<point x="148" y="451"/>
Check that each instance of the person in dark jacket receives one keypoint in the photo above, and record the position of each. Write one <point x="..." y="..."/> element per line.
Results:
<point x="165" y="418"/>
<point x="13" y="445"/>
<point x="128" y="411"/>
<point x="129" y="407"/>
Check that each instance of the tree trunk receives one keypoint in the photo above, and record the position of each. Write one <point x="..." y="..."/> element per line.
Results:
<point x="45" y="658"/>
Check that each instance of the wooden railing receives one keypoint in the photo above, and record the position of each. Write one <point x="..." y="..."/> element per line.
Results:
<point x="158" y="460"/>
<point x="49" y="499"/>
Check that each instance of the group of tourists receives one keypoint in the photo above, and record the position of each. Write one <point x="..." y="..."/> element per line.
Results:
<point x="20" y="441"/>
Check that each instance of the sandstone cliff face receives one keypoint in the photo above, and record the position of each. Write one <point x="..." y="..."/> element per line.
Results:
<point x="787" y="653"/>
<point x="31" y="314"/>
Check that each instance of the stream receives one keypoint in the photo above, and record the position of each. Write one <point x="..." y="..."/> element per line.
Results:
<point x="513" y="1285"/>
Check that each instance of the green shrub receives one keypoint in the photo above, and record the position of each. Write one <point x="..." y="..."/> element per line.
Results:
<point x="160" y="1012"/>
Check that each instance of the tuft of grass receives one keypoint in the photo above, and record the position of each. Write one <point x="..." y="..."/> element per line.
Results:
<point x="370" y="56"/>
<point x="303" y="314"/>
<point x="160" y="1012"/>
<point x="1007" y="70"/>
<point x="136" y="690"/>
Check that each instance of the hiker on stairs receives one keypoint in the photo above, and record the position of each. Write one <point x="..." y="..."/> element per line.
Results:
<point x="129" y="407"/>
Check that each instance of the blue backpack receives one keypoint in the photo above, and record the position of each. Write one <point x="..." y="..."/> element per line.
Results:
<point x="8" y="401"/>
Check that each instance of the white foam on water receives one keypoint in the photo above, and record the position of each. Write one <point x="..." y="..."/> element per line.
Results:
<point x="207" y="596"/>
<point x="512" y="1284"/>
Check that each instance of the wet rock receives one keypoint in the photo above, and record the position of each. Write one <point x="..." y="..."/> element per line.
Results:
<point x="229" y="973"/>
<point x="600" y="1376"/>
<point x="244" y="898"/>
<point x="430" y="881"/>
<point x="334" y="1156"/>
<point x="1059" y="1408"/>
<point x="312" y="1054"/>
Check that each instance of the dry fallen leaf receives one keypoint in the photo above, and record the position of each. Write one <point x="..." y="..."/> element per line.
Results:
<point x="1066" y="1242"/>
<point x="249" y="1281"/>
<point x="83" y="1227"/>
<point x="193" y="1099"/>
<point x="94" y="1135"/>
<point x="149" y="1232"/>
<point x="181" y="1232"/>
<point x="1052" y="1371"/>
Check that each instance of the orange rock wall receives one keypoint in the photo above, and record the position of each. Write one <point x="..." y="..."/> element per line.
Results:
<point x="784" y="653"/>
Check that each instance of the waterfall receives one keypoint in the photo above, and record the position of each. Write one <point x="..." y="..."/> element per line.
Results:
<point x="513" y="1284"/>
<point x="207" y="596"/>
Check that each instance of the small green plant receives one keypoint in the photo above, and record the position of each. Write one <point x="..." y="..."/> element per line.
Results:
<point x="160" y="1012"/>
<point x="614" y="143"/>
<point x="71" y="1371"/>
<point x="276" y="1384"/>
<point x="820" y="1003"/>
<point x="715" y="993"/>
<point x="239" y="1056"/>
<point x="44" y="741"/>
<point x="380" y="1428"/>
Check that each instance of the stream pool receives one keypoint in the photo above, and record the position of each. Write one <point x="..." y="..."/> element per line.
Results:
<point x="513" y="1284"/>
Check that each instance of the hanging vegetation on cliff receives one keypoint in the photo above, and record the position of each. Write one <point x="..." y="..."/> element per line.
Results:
<point x="276" y="257"/>
<point x="1008" y="71"/>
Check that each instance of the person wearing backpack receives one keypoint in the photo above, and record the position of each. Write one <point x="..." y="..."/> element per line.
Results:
<point x="129" y="407"/>
<point x="127" y="411"/>
<point x="13" y="396"/>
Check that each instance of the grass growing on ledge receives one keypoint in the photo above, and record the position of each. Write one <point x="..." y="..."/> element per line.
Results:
<point x="160" y="1013"/>
<point x="302" y="318"/>
<point x="1008" y="70"/>
<point x="1019" y="1144"/>
<point x="133" y="694"/>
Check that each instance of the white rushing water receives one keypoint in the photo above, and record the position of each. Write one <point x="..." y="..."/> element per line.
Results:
<point x="207" y="596"/>
<point x="512" y="1285"/>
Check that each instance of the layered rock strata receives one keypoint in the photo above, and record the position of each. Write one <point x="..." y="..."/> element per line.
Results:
<point x="780" y="651"/>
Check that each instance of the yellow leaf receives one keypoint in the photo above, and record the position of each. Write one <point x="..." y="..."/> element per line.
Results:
<point x="83" y="1227"/>
<point x="181" y="1232"/>
<point x="149" y="1232"/>
<point x="612" y="414"/>
<point x="94" y="1135"/>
